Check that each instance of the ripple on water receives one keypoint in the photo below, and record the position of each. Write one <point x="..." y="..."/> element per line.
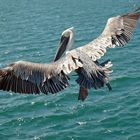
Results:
<point x="33" y="34"/>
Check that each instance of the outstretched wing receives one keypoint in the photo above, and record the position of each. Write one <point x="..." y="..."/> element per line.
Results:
<point x="117" y="32"/>
<point x="27" y="77"/>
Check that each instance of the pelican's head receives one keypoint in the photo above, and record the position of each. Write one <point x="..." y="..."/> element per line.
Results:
<point x="66" y="42"/>
<point x="68" y="37"/>
<point x="68" y="32"/>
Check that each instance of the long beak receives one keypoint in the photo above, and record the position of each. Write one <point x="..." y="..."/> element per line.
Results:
<point x="62" y="47"/>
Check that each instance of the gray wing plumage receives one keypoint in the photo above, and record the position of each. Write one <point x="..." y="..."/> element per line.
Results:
<point x="27" y="77"/>
<point x="117" y="32"/>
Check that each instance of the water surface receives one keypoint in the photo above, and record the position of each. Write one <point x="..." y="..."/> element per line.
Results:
<point x="30" y="30"/>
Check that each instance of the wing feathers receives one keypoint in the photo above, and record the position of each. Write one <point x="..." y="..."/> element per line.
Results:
<point x="117" y="32"/>
<point x="27" y="77"/>
<point x="120" y="28"/>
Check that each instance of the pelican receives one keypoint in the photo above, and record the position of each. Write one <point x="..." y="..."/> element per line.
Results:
<point x="28" y="77"/>
<point x="64" y="47"/>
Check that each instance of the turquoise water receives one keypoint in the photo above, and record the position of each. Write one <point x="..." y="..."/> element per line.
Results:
<point x="30" y="30"/>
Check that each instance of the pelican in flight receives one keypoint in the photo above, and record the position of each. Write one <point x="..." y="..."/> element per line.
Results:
<point x="27" y="77"/>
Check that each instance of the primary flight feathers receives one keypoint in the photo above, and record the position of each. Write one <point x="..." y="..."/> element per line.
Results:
<point x="28" y="77"/>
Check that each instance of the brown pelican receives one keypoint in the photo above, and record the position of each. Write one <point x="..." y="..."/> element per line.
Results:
<point x="28" y="77"/>
<point x="64" y="47"/>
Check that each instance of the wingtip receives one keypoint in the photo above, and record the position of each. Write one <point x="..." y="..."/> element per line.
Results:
<point x="137" y="9"/>
<point x="2" y="73"/>
<point x="134" y="12"/>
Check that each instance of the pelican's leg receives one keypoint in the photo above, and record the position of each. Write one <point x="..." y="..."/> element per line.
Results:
<point x="83" y="93"/>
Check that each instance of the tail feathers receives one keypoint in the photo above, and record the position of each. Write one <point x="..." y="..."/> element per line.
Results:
<point x="96" y="77"/>
<point x="105" y="67"/>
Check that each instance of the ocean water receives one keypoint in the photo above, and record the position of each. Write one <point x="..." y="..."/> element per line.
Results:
<point x="30" y="30"/>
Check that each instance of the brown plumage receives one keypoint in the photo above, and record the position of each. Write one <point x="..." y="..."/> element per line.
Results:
<point x="28" y="77"/>
<point x="117" y="32"/>
<point x="83" y="93"/>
